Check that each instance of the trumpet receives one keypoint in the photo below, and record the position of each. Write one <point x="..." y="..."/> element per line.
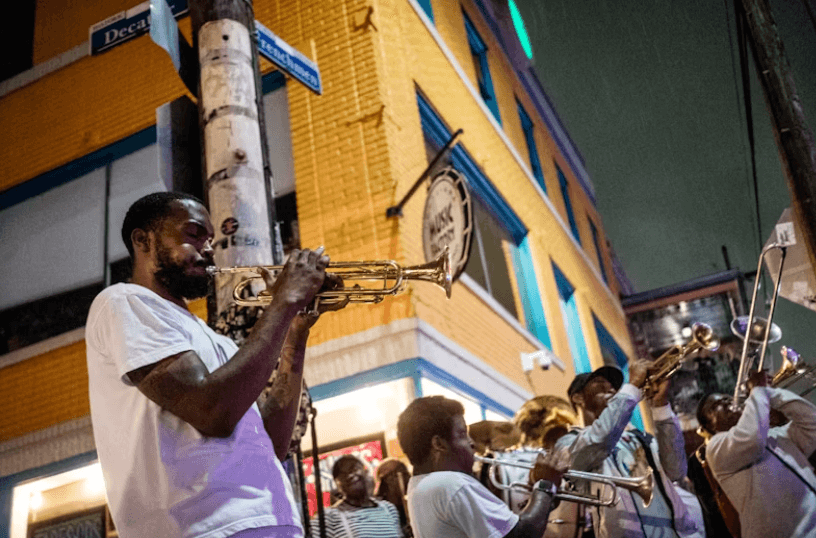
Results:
<point x="642" y="486"/>
<point x="792" y="370"/>
<point x="702" y="337"/>
<point x="363" y="282"/>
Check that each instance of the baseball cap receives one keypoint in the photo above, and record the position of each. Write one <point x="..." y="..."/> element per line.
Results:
<point x="610" y="373"/>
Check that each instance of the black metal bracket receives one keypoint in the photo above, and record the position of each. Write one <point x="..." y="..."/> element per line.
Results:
<point x="396" y="210"/>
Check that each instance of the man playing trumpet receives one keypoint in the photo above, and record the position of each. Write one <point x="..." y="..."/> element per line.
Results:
<point x="189" y="445"/>
<point x="764" y="470"/>
<point x="444" y="499"/>
<point x="604" y="445"/>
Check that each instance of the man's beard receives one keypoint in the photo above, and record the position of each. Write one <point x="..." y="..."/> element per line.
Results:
<point x="173" y="278"/>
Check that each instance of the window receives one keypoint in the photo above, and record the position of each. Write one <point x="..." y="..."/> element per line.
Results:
<point x="426" y="7"/>
<point x="500" y="238"/>
<point x="598" y="250"/>
<point x="562" y="181"/>
<point x="572" y="322"/>
<point x="535" y="164"/>
<point x="478" y="51"/>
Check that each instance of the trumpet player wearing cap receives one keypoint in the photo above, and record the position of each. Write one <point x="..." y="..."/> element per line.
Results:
<point x="763" y="469"/>
<point x="604" y="445"/>
<point x="188" y="437"/>
<point x="444" y="499"/>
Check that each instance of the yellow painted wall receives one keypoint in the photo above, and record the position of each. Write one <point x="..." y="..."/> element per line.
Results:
<point x="357" y="149"/>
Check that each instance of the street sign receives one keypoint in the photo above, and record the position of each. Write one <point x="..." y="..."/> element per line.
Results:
<point x="126" y="25"/>
<point x="289" y="59"/>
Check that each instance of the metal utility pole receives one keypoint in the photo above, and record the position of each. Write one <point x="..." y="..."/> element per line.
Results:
<point x="237" y="177"/>
<point x="794" y="138"/>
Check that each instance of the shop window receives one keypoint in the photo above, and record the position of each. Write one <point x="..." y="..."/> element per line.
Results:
<point x="71" y="503"/>
<point x="532" y="151"/>
<point x="478" y="52"/>
<point x="562" y="181"/>
<point x="598" y="252"/>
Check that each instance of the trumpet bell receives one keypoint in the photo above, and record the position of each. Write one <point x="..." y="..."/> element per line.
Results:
<point x="757" y="331"/>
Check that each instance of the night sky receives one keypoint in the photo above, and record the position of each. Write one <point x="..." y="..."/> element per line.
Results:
<point x="650" y="92"/>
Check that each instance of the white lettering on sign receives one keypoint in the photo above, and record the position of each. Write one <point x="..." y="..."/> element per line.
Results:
<point x="447" y="221"/>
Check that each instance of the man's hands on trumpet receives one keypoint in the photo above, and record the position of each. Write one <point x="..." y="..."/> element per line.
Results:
<point x="303" y="275"/>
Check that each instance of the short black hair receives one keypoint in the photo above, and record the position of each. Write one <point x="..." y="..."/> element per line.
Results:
<point x="148" y="212"/>
<point x="421" y="420"/>
<point x="702" y="417"/>
<point x="344" y="462"/>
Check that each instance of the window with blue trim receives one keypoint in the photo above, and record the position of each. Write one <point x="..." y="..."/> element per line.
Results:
<point x="478" y="52"/>
<point x="426" y="7"/>
<point x="572" y="322"/>
<point x="598" y="252"/>
<point x="532" y="151"/>
<point x="613" y="355"/>
<point x="562" y="181"/>
<point x="498" y="234"/>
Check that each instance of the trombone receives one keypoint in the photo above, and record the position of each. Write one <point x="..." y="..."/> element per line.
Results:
<point x="702" y="337"/>
<point x="363" y="282"/>
<point x="757" y="330"/>
<point x="643" y="486"/>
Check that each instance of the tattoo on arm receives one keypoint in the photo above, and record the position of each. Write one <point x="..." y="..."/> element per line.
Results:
<point x="280" y="390"/>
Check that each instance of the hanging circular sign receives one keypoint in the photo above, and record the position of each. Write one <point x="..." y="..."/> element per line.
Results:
<point x="448" y="219"/>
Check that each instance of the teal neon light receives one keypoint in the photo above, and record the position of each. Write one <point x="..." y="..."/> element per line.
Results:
<point x="518" y="22"/>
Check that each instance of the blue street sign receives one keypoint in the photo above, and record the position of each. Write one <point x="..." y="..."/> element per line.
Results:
<point x="289" y="59"/>
<point x="127" y="24"/>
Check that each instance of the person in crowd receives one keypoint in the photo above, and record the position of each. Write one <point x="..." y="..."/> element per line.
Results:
<point x="604" y="445"/>
<point x="188" y="445"/>
<point x="444" y="499"/>
<point x="392" y="480"/>
<point x="358" y="514"/>
<point x="764" y="469"/>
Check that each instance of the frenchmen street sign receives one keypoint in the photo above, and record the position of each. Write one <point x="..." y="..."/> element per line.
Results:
<point x="128" y="24"/>
<point x="288" y="58"/>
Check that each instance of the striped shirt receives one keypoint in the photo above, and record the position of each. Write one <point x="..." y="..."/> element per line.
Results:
<point x="381" y="521"/>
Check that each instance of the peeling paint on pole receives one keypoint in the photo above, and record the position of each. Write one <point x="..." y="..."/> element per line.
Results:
<point x="232" y="149"/>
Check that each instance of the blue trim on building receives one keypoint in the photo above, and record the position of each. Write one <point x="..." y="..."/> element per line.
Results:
<point x="78" y="168"/>
<point x="426" y="7"/>
<point x="415" y="369"/>
<point x="478" y="49"/>
<point x="8" y="483"/>
<point x="272" y="81"/>
<point x="529" y="136"/>
<point x="480" y="185"/>
<point x="529" y="291"/>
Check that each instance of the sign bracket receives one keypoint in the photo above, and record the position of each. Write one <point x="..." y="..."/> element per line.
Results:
<point x="396" y="210"/>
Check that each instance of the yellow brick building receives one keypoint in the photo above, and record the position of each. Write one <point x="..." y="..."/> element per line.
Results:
<point x="399" y="77"/>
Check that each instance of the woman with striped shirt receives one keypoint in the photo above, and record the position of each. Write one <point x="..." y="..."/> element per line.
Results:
<point x="358" y="515"/>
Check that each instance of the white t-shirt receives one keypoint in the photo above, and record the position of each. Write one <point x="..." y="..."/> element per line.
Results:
<point x="448" y="504"/>
<point x="163" y="478"/>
